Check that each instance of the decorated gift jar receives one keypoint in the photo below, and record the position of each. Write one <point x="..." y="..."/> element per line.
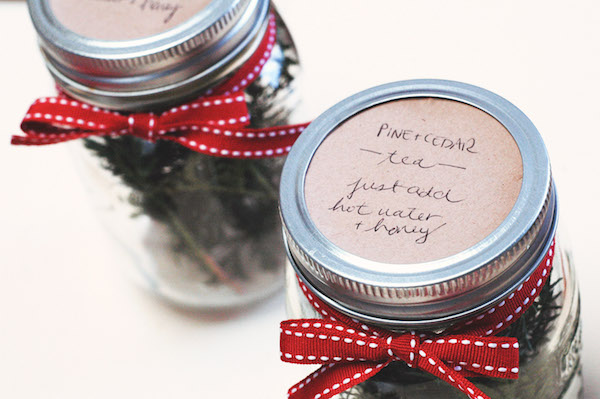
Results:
<point x="176" y="104"/>
<point x="420" y="222"/>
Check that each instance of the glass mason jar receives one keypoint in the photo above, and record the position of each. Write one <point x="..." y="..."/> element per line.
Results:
<point x="202" y="230"/>
<point x="419" y="205"/>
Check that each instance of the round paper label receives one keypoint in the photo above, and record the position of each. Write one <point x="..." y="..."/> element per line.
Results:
<point x="124" y="19"/>
<point x="413" y="180"/>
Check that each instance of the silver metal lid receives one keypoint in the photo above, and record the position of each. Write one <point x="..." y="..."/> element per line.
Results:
<point x="435" y="293"/>
<point x="153" y="71"/>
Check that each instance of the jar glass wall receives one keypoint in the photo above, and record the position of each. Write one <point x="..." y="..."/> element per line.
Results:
<point x="202" y="231"/>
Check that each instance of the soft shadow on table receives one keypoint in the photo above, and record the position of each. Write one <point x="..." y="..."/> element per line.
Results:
<point x="273" y="303"/>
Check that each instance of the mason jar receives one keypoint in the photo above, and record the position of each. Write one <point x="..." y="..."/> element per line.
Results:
<point x="420" y="207"/>
<point x="199" y="224"/>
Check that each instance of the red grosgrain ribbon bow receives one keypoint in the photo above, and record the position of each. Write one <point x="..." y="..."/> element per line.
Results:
<point x="352" y="352"/>
<point x="214" y="124"/>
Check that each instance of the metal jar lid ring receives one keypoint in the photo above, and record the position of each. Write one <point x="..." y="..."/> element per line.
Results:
<point x="152" y="71"/>
<point x="433" y="293"/>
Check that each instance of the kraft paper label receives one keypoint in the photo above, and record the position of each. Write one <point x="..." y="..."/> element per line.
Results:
<point x="124" y="19"/>
<point x="413" y="180"/>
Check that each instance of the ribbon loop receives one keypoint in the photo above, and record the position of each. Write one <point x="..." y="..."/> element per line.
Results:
<point x="315" y="341"/>
<point x="471" y="355"/>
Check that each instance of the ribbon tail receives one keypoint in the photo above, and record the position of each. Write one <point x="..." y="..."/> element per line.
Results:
<point x="48" y="138"/>
<point x="334" y="378"/>
<point x="241" y="142"/>
<point x="438" y="368"/>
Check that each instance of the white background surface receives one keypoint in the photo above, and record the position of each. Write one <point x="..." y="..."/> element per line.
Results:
<point x="72" y="325"/>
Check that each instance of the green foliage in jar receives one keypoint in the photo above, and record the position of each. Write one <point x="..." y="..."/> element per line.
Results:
<point x="220" y="212"/>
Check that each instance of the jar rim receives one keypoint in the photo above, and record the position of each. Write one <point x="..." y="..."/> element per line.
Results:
<point x="435" y="292"/>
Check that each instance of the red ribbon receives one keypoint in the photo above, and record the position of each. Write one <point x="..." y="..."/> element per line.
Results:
<point x="352" y="352"/>
<point x="215" y="124"/>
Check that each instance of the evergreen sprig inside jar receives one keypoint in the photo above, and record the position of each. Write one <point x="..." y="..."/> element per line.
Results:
<point x="181" y="109"/>
<point x="420" y="220"/>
